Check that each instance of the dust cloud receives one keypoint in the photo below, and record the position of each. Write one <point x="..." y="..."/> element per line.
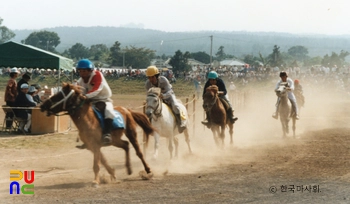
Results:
<point x="254" y="131"/>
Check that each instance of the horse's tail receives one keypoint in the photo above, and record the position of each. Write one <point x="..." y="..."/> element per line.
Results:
<point x="142" y="120"/>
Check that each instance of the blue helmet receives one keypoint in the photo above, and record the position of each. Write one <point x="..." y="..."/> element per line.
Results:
<point x="85" y="64"/>
<point x="212" y="75"/>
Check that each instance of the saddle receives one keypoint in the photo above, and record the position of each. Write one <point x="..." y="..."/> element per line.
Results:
<point x="118" y="120"/>
<point x="224" y="103"/>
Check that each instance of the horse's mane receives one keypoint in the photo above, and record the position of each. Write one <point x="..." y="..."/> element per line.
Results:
<point x="212" y="88"/>
<point x="154" y="90"/>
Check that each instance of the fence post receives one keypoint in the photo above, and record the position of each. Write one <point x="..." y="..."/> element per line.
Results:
<point x="194" y="114"/>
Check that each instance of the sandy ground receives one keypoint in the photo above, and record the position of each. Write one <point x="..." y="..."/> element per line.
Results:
<point x="256" y="169"/>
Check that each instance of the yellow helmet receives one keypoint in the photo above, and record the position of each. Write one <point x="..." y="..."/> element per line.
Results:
<point x="151" y="71"/>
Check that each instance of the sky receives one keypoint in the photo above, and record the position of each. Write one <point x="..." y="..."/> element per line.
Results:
<point x="290" y="16"/>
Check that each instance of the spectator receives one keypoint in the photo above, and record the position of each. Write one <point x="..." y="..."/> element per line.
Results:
<point x="22" y="101"/>
<point x="24" y="80"/>
<point x="11" y="93"/>
<point x="36" y="95"/>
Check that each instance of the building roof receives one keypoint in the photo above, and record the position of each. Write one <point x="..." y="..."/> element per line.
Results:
<point x="13" y="54"/>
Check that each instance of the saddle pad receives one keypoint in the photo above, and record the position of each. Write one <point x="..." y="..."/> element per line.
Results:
<point x="118" y="120"/>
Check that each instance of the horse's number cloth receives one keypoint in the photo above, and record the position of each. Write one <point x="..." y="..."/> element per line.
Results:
<point x="118" y="120"/>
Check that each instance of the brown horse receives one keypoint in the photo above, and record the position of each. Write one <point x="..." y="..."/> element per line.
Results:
<point x="213" y="105"/>
<point x="79" y="108"/>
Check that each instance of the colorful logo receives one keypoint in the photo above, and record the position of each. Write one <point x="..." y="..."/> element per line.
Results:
<point x="16" y="175"/>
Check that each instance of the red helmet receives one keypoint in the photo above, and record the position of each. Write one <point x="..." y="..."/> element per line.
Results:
<point x="296" y="81"/>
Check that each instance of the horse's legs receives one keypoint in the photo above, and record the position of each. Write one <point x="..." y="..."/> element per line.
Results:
<point x="294" y="127"/>
<point x="214" y="130"/>
<point x="230" y="125"/>
<point x="156" y="144"/>
<point x="176" y="143"/>
<point x="222" y="135"/>
<point x="132" y="136"/>
<point x="170" y="146"/>
<point x="118" y="142"/>
<point x="106" y="165"/>
<point x="145" y="144"/>
<point x="96" y="166"/>
<point x="187" y="139"/>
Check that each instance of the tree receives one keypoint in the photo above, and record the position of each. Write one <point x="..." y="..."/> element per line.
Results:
<point x="220" y="55"/>
<point x="335" y="59"/>
<point x="179" y="61"/>
<point x="45" y="40"/>
<point x="252" y="60"/>
<point x="298" y="52"/>
<point x="78" y="51"/>
<point x="115" y="56"/>
<point x="5" y="33"/>
<point x="138" y="57"/>
<point x="275" y="57"/>
<point x="99" y="52"/>
<point x="201" y="56"/>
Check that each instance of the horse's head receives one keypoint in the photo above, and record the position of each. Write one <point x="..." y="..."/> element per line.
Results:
<point x="210" y="97"/>
<point x="153" y="101"/>
<point x="282" y="89"/>
<point x="67" y="99"/>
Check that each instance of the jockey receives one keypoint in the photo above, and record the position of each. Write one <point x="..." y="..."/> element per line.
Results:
<point x="99" y="92"/>
<point x="290" y="88"/>
<point x="167" y="93"/>
<point x="214" y="80"/>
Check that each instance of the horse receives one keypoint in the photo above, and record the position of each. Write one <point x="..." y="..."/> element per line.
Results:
<point x="164" y="121"/>
<point x="213" y="105"/>
<point x="79" y="108"/>
<point x="285" y="111"/>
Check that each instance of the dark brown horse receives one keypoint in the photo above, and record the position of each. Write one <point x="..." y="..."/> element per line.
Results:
<point x="79" y="108"/>
<point x="213" y="105"/>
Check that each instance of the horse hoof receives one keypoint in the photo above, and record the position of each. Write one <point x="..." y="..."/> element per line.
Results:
<point x="95" y="184"/>
<point x="129" y="171"/>
<point x="146" y="176"/>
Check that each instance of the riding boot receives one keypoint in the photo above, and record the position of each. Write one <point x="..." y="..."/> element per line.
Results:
<point x="230" y="115"/>
<point x="180" y="124"/>
<point x="106" y="137"/>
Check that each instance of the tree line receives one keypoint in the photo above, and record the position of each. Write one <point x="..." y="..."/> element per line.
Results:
<point x="140" y="57"/>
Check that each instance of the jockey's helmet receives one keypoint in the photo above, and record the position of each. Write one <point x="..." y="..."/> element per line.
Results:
<point x="85" y="64"/>
<point x="212" y="75"/>
<point x="151" y="71"/>
<point x="296" y="81"/>
<point x="283" y="74"/>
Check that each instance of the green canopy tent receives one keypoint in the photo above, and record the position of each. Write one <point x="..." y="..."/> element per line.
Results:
<point x="14" y="54"/>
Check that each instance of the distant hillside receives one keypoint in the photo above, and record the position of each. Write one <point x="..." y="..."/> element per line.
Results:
<point x="235" y="43"/>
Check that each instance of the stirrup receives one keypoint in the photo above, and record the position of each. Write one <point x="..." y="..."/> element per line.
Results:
<point x="106" y="139"/>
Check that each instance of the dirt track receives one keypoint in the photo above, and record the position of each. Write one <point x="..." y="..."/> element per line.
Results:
<point x="246" y="172"/>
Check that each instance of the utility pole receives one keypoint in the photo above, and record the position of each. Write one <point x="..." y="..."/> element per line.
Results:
<point x="211" y="49"/>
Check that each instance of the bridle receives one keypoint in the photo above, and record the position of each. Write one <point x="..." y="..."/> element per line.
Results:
<point x="71" y="109"/>
<point x="157" y="111"/>
<point x="63" y="100"/>
<point x="211" y="105"/>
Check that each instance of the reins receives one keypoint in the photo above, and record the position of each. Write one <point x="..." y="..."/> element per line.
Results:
<point x="64" y="101"/>
<point x="158" y="109"/>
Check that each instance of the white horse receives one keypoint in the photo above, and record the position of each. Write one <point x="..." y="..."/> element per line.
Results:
<point x="285" y="111"/>
<point x="163" y="120"/>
